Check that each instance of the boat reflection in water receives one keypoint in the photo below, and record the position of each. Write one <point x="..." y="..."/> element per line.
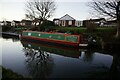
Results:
<point x="38" y="59"/>
<point x="68" y="52"/>
<point x="45" y="61"/>
<point x="39" y="62"/>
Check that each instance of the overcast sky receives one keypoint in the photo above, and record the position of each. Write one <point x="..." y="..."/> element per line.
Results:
<point x="15" y="9"/>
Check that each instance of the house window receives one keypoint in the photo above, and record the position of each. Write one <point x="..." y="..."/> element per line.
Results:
<point x="70" y="23"/>
<point x="56" y="22"/>
<point x="63" y="23"/>
<point x="78" y="23"/>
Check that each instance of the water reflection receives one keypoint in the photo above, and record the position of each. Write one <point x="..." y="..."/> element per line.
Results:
<point x="115" y="67"/>
<point x="39" y="63"/>
<point x="39" y="60"/>
<point x="45" y="61"/>
<point x="114" y="50"/>
<point x="113" y="70"/>
<point x="68" y="52"/>
<point x="88" y="56"/>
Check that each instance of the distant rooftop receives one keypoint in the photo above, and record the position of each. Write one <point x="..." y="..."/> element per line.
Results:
<point x="95" y="19"/>
<point x="26" y="20"/>
<point x="67" y="17"/>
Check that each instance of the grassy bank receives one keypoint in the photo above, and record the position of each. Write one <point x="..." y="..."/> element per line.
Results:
<point x="79" y="30"/>
<point x="98" y="33"/>
<point x="101" y="32"/>
<point x="74" y="30"/>
<point x="10" y="75"/>
<point x="0" y="72"/>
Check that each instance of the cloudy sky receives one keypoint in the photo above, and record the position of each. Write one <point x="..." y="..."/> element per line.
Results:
<point x="15" y="9"/>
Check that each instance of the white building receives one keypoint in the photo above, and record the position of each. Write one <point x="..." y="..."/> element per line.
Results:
<point x="15" y="23"/>
<point x="56" y="21"/>
<point x="67" y="21"/>
<point x="1" y="23"/>
<point x="5" y="23"/>
<point x="78" y="23"/>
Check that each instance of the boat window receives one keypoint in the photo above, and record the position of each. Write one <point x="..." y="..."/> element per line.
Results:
<point x="59" y="37"/>
<point x="39" y="34"/>
<point x="29" y="34"/>
<point x="50" y="36"/>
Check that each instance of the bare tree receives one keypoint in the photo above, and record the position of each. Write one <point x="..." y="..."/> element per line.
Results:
<point x="40" y="9"/>
<point x="104" y="8"/>
<point x="107" y="9"/>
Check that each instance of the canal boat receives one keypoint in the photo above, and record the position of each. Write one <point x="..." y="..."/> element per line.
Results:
<point x="52" y="37"/>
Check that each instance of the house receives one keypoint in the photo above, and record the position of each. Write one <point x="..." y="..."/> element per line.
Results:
<point x="5" y="23"/>
<point x="15" y="23"/>
<point x="36" y="22"/>
<point x="66" y="20"/>
<point x="78" y="23"/>
<point x="111" y="23"/>
<point x="47" y="23"/>
<point x="26" y="22"/>
<point x="1" y="23"/>
<point x="97" y="22"/>
<point x="56" y="21"/>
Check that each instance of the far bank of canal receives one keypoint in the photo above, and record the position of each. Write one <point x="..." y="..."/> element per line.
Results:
<point x="44" y="61"/>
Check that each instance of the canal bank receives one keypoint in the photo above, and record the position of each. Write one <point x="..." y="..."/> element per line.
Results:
<point x="9" y="74"/>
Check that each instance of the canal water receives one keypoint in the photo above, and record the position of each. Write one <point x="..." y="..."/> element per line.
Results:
<point x="33" y="60"/>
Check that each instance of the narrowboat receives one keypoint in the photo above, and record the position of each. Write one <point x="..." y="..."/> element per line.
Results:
<point x="52" y="37"/>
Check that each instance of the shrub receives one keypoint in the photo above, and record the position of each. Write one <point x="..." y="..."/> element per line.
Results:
<point x="91" y="26"/>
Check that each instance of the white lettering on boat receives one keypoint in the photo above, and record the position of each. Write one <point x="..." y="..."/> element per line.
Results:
<point x="50" y="36"/>
<point x="39" y="34"/>
<point x="29" y="34"/>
